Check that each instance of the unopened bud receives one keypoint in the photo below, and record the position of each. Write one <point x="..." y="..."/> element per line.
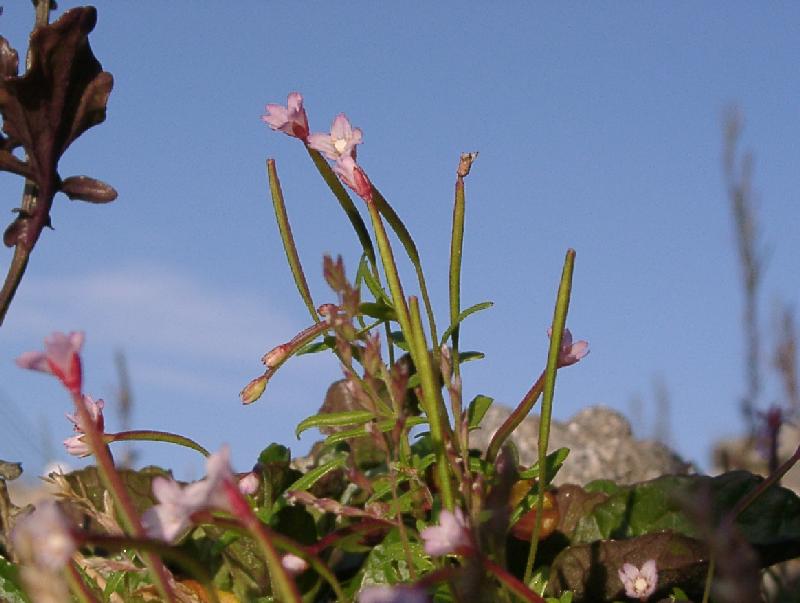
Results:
<point x="275" y="356"/>
<point x="253" y="390"/>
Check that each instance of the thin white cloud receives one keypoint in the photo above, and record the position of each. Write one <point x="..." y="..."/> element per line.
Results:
<point x="154" y="307"/>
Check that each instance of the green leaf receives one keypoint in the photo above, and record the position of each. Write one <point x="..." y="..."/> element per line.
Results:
<point x="460" y="318"/>
<point x="334" y="419"/>
<point x="10" y="586"/>
<point x="380" y="310"/>
<point x="313" y="476"/>
<point x="387" y="563"/>
<point x="360" y="432"/>
<point x="477" y="410"/>
<point x="399" y="340"/>
<point x="275" y="453"/>
<point x="553" y="462"/>
<point x="327" y="343"/>
<point x="470" y="356"/>
<point x="365" y="274"/>
<point x="771" y="523"/>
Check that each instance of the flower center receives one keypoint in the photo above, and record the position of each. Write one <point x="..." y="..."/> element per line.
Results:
<point x="640" y="585"/>
<point x="340" y="144"/>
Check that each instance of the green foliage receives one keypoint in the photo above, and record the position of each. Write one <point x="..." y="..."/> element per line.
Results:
<point x="10" y="586"/>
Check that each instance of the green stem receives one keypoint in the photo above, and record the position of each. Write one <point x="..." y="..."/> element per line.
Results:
<point x="390" y="268"/>
<point x="514" y="419"/>
<point x="289" y="246"/>
<point x="456" y="248"/>
<point x="771" y="479"/>
<point x="150" y="435"/>
<point x="404" y="236"/>
<point x="77" y="586"/>
<point x="709" y="579"/>
<point x="434" y="406"/>
<point x="557" y="332"/>
<point x="283" y="586"/>
<point x="122" y="501"/>
<point x="511" y="582"/>
<point x="347" y="205"/>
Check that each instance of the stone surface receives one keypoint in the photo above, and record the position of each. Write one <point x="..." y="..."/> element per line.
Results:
<point x="601" y="443"/>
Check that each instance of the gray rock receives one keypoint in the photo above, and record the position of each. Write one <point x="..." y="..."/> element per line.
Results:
<point x="601" y="446"/>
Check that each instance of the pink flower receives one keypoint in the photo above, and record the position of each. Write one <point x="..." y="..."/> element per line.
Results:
<point x="61" y="357"/>
<point x="353" y="176"/>
<point x="249" y="483"/>
<point x="291" y="119"/>
<point x="570" y="352"/>
<point x="293" y="564"/>
<point x="452" y="535"/>
<point x="341" y="142"/>
<point x="639" y="583"/>
<point x="76" y="446"/>
<point x="392" y="594"/>
<point x="176" y="504"/>
<point x="44" y="537"/>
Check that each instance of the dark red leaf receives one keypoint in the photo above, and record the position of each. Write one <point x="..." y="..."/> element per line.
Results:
<point x="63" y="94"/>
<point x="83" y="188"/>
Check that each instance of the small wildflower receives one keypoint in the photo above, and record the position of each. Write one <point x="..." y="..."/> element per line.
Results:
<point x="293" y="564"/>
<point x="176" y="504"/>
<point x="76" y="445"/>
<point x="341" y="142"/>
<point x="253" y="390"/>
<point x="44" y="538"/>
<point x="570" y="352"/>
<point x="291" y="119"/>
<point x="60" y="358"/>
<point x="639" y="583"/>
<point x="450" y="536"/>
<point x="353" y="176"/>
<point x="249" y="483"/>
<point x="392" y="594"/>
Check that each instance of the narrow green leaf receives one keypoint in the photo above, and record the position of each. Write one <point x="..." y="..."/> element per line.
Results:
<point x="470" y="356"/>
<point x="460" y="318"/>
<point x="477" y="410"/>
<point x="334" y="419"/>
<point x="396" y="224"/>
<point x="361" y="432"/>
<point x="289" y="246"/>
<point x="399" y="340"/>
<point x="345" y="202"/>
<point x="364" y="274"/>
<point x="318" y="346"/>
<point x="554" y="462"/>
<point x="311" y="478"/>
<point x="379" y="310"/>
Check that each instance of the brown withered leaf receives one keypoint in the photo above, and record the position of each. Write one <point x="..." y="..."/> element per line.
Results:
<point x="590" y="570"/>
<point x="63" y="94"/>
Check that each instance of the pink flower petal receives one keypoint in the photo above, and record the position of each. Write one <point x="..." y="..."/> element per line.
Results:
<point x="291" y="119"/>
<point x="61" y="358"/>
<point x="341" y="142"/>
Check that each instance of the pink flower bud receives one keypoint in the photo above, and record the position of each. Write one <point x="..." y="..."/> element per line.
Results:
<point x="275" y="356"/>
<point x="253" y="390"/>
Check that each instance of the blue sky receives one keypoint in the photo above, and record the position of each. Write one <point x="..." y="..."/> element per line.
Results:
<point x="597" y="129"/>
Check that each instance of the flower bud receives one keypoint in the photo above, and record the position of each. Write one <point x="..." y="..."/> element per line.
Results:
<point x="253" y="390"/>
